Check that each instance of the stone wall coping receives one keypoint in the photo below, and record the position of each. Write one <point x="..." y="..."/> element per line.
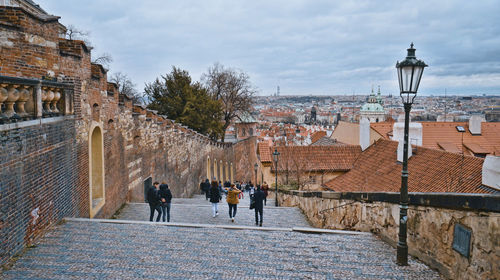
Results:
<point x="234" y="227"/>
<point x="32" y="82"/>
<point x="23" y="124"/>
<point x="459" y="201"/>
<point x="16" y="80"/>
<point x="44" y="18"/>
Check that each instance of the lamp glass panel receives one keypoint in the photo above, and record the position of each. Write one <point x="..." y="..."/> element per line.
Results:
<point x="417" y="75"/>
<point x="407" y="77"/>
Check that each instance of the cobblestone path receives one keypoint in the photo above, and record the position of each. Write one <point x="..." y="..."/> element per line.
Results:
<point x="199" y="211"/>
<point x="117" y="249"/>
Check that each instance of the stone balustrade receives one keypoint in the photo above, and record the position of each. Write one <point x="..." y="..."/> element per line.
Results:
<point x="25" y="99"/>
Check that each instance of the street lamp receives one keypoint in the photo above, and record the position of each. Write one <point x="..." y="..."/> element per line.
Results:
<point x="410" y="72"/>
<point x="275" y="158"/>
<point x="255" y="168"/>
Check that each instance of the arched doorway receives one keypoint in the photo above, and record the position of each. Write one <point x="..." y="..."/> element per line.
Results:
<point x="209" y="166"/>
<point x="215" y="178"/>
<point x="96" y="170"/>
<point x="232" y="173"/>
<point x="221" y="171"/>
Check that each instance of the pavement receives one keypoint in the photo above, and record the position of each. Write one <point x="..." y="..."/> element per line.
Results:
<point x="198" y="210"/>
<point x="214" y="249"/>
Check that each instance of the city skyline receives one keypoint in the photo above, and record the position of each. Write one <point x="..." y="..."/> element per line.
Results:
<point x="318" y="48"/>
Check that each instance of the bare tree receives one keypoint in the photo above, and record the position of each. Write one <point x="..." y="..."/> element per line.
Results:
<point x="127" y="87"/>
<point x="233" y="88"/>
<point x="104" y="59"/>
<point x="74" y="33"/>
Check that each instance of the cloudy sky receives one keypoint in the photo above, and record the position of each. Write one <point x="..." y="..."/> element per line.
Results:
<point x="307" y="47"/>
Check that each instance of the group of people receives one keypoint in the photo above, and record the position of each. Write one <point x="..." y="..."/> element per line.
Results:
<point x="159" y="198"/>
<point x="258" y="197"/>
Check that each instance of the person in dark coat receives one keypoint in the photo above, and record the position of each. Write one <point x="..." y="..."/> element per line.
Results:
<point x="259" y="197"/>
<point x="206" y="188"/>
<point x="154" y="202"/>
<point x="215" y="197"/>
<point x="265" y="189"/>
<point x="165" y="201"/>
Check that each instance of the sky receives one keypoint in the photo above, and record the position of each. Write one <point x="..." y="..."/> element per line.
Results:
<point x="306" y="47"/>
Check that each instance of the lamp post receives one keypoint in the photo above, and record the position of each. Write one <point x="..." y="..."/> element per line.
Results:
<point x="275" y="158"/>
<point x="255" y="168"/>
<point x="410" y="72"/>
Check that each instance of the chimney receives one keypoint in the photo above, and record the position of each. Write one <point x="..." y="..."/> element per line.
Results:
<point x="364" y="133"/>
<point x="414" y="137"/>
<point x="475" y="124"/>
<point x="491" y="172"/>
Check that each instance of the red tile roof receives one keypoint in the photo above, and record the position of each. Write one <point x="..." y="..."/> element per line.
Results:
<point x="318" y="158"/>
<point x="383" y="128"/>
<point x="317" y="135"/>
<point x="434" y="133"/>
<point x="445" y="136"/>
<point x="264" y="152"/>
<point x="430" y="170"/>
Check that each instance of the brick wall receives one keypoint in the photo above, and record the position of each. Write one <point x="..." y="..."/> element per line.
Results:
<point x="37" y="178"/>
<point x="245" y="164"/>
<point x="46" y="163"/>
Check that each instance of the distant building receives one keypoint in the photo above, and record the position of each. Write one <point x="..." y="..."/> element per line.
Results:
<point x="373" y="109"/>
<point x="245" y="127"/>
<point x="313" y="115"/>
<point x="492" y="114"/>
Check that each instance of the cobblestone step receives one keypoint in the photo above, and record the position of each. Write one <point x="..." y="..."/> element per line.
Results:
<point x="80" y="249"/>
<point x="197" y="210"/>
<point x="234" y="227"/>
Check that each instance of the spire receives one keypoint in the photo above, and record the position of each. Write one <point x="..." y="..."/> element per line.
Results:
<point x="378" y="93"/>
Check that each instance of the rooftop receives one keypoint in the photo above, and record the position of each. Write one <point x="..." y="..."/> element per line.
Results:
<point x="431" y="170"/>
<point x="318" y="158"/>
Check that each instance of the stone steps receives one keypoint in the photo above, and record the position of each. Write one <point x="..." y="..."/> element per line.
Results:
<point x="103" y="249"/>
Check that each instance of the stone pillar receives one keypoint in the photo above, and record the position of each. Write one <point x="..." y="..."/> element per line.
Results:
<point x="414" y="135"/>
<point x="38" y="100"/>
<point x="475" y="124"/>
<point x="364" y="133"/>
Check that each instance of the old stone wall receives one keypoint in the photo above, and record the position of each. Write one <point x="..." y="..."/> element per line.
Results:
<point x="37" y="181"/>
<point x="245" y="164"/>
<point x="430" y="229"/>
<point x="96" y="155"/>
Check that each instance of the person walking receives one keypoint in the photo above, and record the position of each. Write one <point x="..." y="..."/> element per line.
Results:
<point x="165" y="201"/>
<point x="265" y="189"/>
<point x="232" y="201"/>
<point x="251" y="190"/>
<point x="259" y="205"/>
<point x="154" y="202"/>
<point x="215" y="197"/>
<point x="206" y="189"/>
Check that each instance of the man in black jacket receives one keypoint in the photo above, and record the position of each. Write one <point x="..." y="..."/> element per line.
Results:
<point x="205" y="187"/>
<point x="154" y="202"/>
<point x="165" y="201"/>
<point x="259" y="197"/>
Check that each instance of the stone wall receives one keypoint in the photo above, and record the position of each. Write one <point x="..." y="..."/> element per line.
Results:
<point x="245" y="164"/>
<point x="37" y="181"/>
<point x="91" y="158"/>
<point x="432" y="219"/>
